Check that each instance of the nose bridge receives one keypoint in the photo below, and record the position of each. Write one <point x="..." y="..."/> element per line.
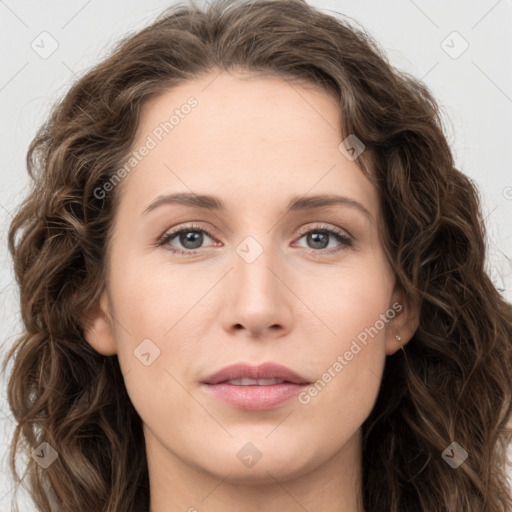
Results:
<point x="254" y="257"/>
<point x="255" y="296"/>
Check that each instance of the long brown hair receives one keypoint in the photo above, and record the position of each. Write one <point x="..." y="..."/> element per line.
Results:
<point x="451" y="384"/>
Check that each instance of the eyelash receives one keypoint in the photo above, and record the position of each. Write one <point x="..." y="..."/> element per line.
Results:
<point x="344" y="240"/>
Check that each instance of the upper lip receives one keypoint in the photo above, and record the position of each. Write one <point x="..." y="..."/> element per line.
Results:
<point x="263" y="371"/>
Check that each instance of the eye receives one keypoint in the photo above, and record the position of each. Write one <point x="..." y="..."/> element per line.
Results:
<point x="192" y="238"/>
<point x="319" y="237"/>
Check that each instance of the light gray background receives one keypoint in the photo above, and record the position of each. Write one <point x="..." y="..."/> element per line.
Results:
<point x="475" y="90"/>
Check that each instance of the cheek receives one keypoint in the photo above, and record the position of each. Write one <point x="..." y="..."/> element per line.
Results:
<point x="160" y="320"/>
<point x="349" y="300"/>
<point x="154" y="297"/>
<point x="348" y="373"/>
<point x="348" y="359"/>
<point x="154" y="339"/>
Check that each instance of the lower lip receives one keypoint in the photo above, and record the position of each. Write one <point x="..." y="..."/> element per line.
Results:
<point x="255" y="398"/>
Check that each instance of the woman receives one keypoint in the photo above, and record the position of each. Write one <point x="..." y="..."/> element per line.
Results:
<point x="251" y="278"/>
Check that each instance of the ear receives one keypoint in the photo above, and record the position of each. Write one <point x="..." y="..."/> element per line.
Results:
<point x="404" y="324"/>
<point x="98" y="327"/>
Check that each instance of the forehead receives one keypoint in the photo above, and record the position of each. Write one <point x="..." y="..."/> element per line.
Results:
<point x="245" y="138"/>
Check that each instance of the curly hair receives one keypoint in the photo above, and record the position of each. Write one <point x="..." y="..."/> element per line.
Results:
<point x="453" y="381"/>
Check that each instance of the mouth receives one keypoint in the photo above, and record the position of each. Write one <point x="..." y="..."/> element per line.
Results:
<point x="255" y="388"/>
<point x="253" y="382"/>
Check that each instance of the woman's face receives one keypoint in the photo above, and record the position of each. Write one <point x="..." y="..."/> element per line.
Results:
<point x="254" y="281"/>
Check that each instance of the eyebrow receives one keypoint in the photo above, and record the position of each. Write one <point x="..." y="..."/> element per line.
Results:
<point x="296" y="203"/>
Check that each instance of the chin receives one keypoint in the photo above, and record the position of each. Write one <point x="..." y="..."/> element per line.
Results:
<point x="248" y="464"/>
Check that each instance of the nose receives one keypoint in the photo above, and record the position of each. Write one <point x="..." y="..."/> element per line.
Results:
<point x="258" y="300"/>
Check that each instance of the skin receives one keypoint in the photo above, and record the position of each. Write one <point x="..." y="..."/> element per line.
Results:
<point x="254" y="142"/>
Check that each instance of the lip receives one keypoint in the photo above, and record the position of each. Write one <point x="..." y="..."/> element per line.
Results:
<point x="255" y="397"/>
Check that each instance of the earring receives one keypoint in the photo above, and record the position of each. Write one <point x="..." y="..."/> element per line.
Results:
<point x="399" y="338"/>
